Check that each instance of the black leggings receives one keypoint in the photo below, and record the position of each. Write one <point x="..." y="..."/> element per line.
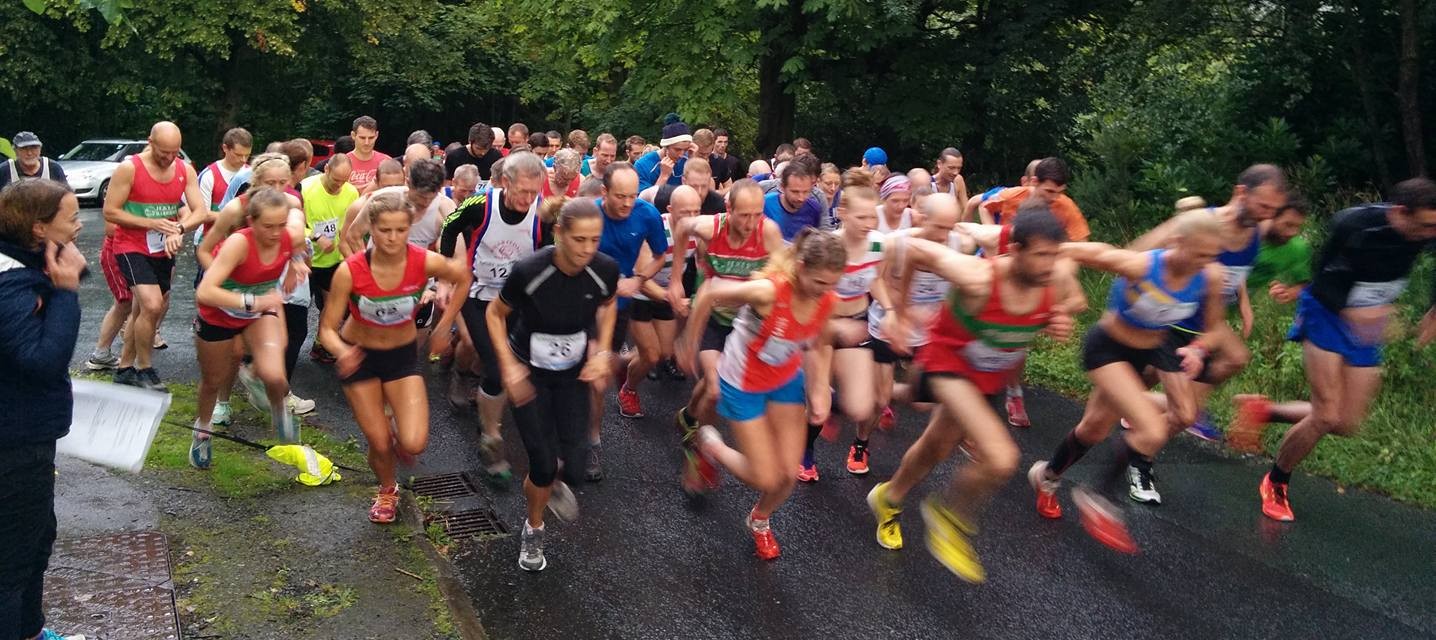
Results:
<point x="554" y="426"/>
<point x="27" y="533"/>
<point x="296" y="323"/>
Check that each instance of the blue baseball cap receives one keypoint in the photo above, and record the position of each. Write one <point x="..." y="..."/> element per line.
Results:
<point x="875" y="156"/>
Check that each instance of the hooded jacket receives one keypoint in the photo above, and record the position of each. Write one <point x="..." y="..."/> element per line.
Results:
<point x="38" y="328"/>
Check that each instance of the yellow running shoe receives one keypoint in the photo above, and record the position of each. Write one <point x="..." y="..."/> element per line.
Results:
<point x="947" y="541"/>
<point x="889" y="529"/>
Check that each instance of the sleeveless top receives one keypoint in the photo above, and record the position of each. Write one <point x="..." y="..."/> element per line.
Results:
<point x="983" y="347"/>
<point x="1149" y="304"/>
<point x="250" y="276"/>
<point x="152" y="199"/>
<point x="925" y="295"/>
<point x="764" y="353"/>
<point x="904" y="220"/>
<point x="665" y="274"/>
<point x="859" y="273"/>
<point x="498" y="245"/>
<point x="727" y="262"/>
<point x="1236" y="266"/>
<point x="375" y="306"/>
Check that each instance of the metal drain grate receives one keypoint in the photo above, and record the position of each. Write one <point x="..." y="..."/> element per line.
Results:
<point x="112" y="586"/>
<point x="469" y="523"/>
<point x="447" y="485"/>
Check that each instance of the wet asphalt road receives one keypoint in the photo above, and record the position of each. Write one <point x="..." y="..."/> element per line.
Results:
<point x="643" y="561"/>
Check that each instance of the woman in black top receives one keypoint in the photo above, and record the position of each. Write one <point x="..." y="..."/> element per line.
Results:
<point x="554" y="307"/>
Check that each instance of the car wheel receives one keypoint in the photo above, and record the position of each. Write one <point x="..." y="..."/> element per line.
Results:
<point x="104" y="190"/>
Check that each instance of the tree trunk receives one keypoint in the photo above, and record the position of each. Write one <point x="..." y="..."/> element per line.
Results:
<point x="776" y="106"/>
<point x="1361" y="74"/>
<point x="1409" y="87"/>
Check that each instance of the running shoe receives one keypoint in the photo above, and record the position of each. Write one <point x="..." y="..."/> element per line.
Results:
<point x="947" y="541"/>
<point x="288" y="427"/>
<point x="1274" y="502"/>
<point x="594" y="471"/>
<point x="1251" y="417"/>
<point x="150" y="379"/>
<point x="459" y="395"/>
<point x="1047" y="505"/>
<point x="160" y="344"/>
<point x="531" y="549"/>
<point x="102" y="361"/>
<point x="1142" y="486"/>
<point x="765" y="545"/>
<point x="671" y="370"/>
<point x="321" y="355"/>
<point x="491" y="455"/>
<point x="297" y="405"/>
<point x="199" y="452"/>
<point x="700" y="475"/>
<point x="1204" y="429"/>
<point x="222" y="416"/>
<point x="254" y="389"/>
<point x="1017" y="412"/>
<point x="888" y="419"/>
<point x="858" y="460"/>
<point x="889" y="534"/>
<point x="562" y="503"/>
<point x="628" y="404"/>
<point x="1103" y="521"/>
<point x="685" y="428"/>
<point x="127" y="376"/>
<point x="808" y="472"/>
<point x="386" y="505"/>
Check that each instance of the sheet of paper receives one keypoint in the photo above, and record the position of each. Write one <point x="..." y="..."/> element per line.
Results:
<point x="114" y="425"/>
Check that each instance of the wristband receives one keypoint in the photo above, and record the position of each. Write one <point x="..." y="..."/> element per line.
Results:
<point x="248" y="301"/>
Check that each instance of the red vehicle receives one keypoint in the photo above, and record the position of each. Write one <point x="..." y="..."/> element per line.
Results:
<point x="322" y="150"/>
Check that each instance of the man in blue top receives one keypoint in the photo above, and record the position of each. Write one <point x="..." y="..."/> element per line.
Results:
<point x="628" y="223"/>
<point x="666" y="166"/>
<point x="793" y="206"/>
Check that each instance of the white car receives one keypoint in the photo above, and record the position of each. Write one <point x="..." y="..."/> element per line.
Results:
<point x="90" y="164"/>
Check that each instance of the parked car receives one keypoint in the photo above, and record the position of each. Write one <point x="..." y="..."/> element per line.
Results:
<point x="322" y="150"/>
<point x="90" y="164"/>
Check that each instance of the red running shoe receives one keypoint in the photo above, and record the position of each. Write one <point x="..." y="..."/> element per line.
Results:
<point x="1252" y="416"/>
<point x="628" y="405"/>
<point x="765" y="545"/>
<point x="386" y="506"/>
<point x="857" y="460"/>
<point x="1274" y="504"/>
<point x="700" y="475"/>
<point x="1047" y="505"/>
<point x="808" y="473"/>
<point x="888" y="419"/>
<point x="1017" y="412"/>
<point x="1103" y="521"/>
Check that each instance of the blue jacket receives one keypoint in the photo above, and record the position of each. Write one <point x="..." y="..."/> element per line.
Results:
<point x="38" y="328"/>
<point x="648" y="171"/>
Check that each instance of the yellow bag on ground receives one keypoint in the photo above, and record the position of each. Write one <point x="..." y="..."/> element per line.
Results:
<point x="314" y="469"/>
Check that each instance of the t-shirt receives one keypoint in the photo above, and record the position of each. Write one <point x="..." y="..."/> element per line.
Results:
<point x="648" y="169"/>
<point x="1288" y="263"/>
<point x="1365" y="262"/>
<point x="365" y="171"/>
<point x="791" y="222"/>
<point x="553" y="312"/>
<point x="1006" y="202"/>
<point x="711" y="205"/>
<point x="622" y="239"/>
<point x="725" y="167"/>
<point x="57" y="172"/>
<point x="462" y="156"/>
<point x="324" y="215"/>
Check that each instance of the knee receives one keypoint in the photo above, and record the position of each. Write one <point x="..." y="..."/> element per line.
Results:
<point x="150" y="306"/>
<point x="1089" y="432"/>
<point x="1181" y="415"/>
<point x="542" y="472"/>
<point x="859" y="411"/>
<point x="272" y="376"/>
<point x="1001" y="461"/>
<point x="414" y="443"/>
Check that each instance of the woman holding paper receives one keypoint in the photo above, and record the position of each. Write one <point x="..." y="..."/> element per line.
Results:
<point x="376" y="356"/>
<point x="40" y="272"/>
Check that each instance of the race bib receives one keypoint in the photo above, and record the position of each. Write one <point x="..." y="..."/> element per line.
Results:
<point x="155" y="241"/>
<point x="856" y="284"/>
<point x="327" y="228"/>
<point x="557" y="352"/>
<point x="1235" y="278"/>
<point x="1372" y="294"/>
<point x="989" y="359"/>
<point x="927" y="288"/>
<point x="387" y="312"/>
<point x="778" y="351"/>
<point x="1157" y="312"/>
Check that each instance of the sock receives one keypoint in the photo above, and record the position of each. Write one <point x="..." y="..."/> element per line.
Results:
<point x="862" y="445"/>
<point x="594" y="442"/>
<point x="1067" y="454"/>
<point x="200" y="425"/>
<point x="1279" y="476"/>
<point x="813" y="431"/>
<point x="528" y="528"/>
<point x="758" y="521"/>
<point x="1014" y="391"/>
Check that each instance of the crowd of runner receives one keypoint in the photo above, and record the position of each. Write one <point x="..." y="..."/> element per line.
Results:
<point x="799" y="297"/>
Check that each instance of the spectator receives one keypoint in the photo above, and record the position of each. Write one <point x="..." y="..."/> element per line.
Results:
<point x="29" y="163"/>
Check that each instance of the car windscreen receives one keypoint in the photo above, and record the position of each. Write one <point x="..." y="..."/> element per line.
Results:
<point x="97" y="151"/>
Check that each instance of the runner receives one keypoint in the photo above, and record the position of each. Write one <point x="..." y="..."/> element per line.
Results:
<point x="214" y="180"/>
<point x="973" y="211"/>
<point x="995" y="308"/>
<point x="947" y="175"/>
<point x="555" y="305"/>
<point x="241" y="294"/>
<point x="579" y="142"/>
<point x="784" y="310"/>
<point x="103" y="357"/>
<point x="793" y="205"/>
<point x="464" y="184"/>
<point x="633" y="148"/>
<point x="732" y="247"/>
<point x="896" y="194"/>
<point x="364" y="160"/>
<point x="665" y="166"/>
<point x="1283" y="264"/>
<point x="326" y="199"/>
<point x="726" y="168"/>
<point x="564" y="179"/>
<point x="850" y="364"/>
<point x="518" y="134"/>
<point x="1153" y="290"/>
<point x="377" y="352"/>
<point x="506" y="229"/>
<point x="424" y="178"/>
<point x="1341" y="321"/>
<point x="146" y="201"/>
<point x="479" y="152"/>
<point x="653" y="325"/>
<point x="628" y="225"/>
<point x="605" y="150"/>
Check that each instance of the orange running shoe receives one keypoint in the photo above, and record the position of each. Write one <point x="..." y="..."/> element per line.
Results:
<point x="888" y="419"/>
<point x="628" y="405"/>
<point x="1017" y="412"/>
<point x="808" y="473"/>
<point x="857" y="460"/>
<point x="386" y="506"/>
<point x="1252" y="414"/>
<point x="1047" y="505"/>
<point x="1103" y="521"/>
<point x="1274" y="504"/>
<point x="765" y="545"/>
